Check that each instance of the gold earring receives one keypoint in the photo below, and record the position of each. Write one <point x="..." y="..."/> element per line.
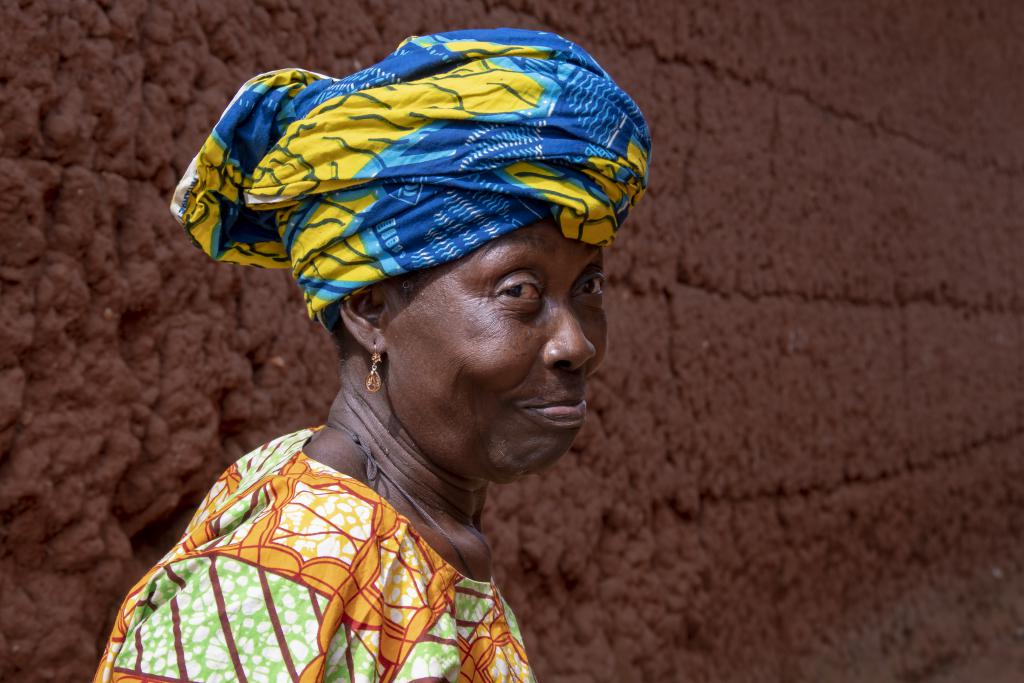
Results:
<point x="373" y="379"/>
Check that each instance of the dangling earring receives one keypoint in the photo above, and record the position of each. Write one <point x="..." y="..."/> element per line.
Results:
<point x="373" y="379"/>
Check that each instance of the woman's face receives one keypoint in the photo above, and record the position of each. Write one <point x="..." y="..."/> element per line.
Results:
<point x="487" y="362"/>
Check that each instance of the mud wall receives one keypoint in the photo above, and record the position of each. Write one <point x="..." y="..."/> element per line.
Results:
<point x="805" y="458"/>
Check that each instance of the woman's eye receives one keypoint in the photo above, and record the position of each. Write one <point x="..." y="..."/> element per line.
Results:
<point x="594" y="285"/>
<point x="522" y="290"/>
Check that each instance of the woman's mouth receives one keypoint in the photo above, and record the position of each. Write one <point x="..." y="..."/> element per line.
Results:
<point x="566" y="414"/>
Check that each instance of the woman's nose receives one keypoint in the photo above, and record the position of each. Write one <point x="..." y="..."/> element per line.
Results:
<point x="568" y="347"/>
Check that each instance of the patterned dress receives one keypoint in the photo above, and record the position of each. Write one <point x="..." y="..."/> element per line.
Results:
<point x="291" y="571"/>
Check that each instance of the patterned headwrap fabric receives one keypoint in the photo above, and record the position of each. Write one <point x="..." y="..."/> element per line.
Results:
<point x="451" y="141"/>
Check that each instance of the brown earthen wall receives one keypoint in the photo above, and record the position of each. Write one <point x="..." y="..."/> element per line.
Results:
<point x="804" y="461"/>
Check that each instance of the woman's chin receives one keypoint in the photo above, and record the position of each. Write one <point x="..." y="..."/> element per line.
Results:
<point x="529" y="456"/>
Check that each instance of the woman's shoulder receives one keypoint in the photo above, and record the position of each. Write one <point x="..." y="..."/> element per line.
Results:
<point x="283" y="551"/>
<point x="278" y="508"/>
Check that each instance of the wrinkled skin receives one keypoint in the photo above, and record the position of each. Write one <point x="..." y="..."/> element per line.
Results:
<point x="485" y="368"/>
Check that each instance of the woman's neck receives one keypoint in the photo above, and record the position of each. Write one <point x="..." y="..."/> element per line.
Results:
<point x="448" y="506"/>
<point x="442" y="493"/>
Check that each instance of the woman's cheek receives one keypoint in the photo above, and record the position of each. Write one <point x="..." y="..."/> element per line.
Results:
<point x="501" y="351"/>
<point x="499" y="369"/>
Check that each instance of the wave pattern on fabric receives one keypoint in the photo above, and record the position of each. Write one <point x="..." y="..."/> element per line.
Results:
<point x="453" y="140"/>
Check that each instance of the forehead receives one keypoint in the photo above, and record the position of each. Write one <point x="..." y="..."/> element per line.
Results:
<point x="540" y="246"/>
<point x="542" y="242"/>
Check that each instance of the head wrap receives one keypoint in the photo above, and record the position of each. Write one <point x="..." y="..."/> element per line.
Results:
<point x="451" y="141"/>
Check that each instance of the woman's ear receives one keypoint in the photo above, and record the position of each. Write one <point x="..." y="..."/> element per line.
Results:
<point x="364" y="314"/>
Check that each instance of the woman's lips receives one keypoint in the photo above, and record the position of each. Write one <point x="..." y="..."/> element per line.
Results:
<point x="563" y="414"/>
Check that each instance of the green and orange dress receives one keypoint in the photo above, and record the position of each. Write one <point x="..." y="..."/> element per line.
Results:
<point x="292" y="571"/>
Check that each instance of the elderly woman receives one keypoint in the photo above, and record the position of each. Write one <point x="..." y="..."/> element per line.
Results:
<point x="443" y="212"/>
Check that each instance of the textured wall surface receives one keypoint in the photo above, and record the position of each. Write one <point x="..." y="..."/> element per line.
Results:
<point x="806" y="454"/>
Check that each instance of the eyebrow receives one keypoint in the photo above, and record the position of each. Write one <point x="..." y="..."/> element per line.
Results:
<point x="525" y="238"/>
<point x="527" y="241"/>
<point x="517" y="237"/>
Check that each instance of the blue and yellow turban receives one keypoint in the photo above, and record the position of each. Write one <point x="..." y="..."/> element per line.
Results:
<point x="451" y="141"/>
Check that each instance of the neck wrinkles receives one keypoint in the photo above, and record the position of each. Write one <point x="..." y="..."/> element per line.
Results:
<point x="446" y="495"/>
